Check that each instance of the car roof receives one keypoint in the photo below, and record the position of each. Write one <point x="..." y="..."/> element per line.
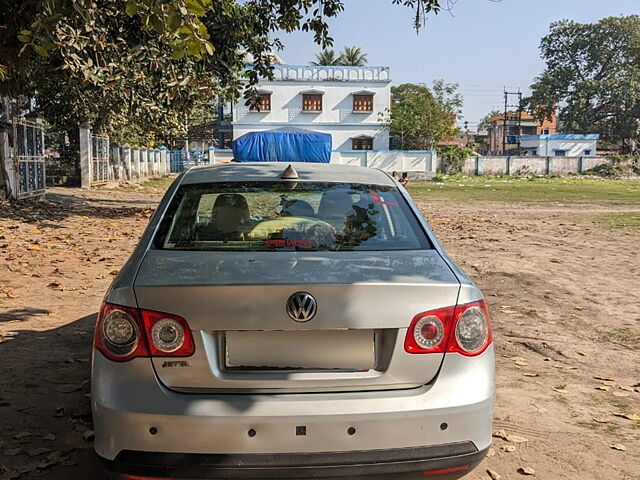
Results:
<point x="272" y="172"/>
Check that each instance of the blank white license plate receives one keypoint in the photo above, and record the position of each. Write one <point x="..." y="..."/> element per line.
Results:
<point x="314" y="349"/>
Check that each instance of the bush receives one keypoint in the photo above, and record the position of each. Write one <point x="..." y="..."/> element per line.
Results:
<point x="606" y="170"/>
<point x="453" y="158"/>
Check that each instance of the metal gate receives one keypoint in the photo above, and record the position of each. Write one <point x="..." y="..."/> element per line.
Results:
<point x="28" y="148"/>
<point x="181" y="160"/>
<point x="99" y="160"/>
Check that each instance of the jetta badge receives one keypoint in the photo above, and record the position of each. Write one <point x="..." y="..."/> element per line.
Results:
<point x="301" y="306"/>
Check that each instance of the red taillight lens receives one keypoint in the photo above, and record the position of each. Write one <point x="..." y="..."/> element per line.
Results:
<point x="169" y="335"/>
<point x="118" y="335"/>
<point x="124" y="333"/>
<point x="428" y="331"/>
<point x="463" y="329"/>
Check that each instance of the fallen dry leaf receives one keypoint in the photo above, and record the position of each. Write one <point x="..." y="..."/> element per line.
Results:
<point x="601" y="420"/>
<point x="56" y="286"/>
<point x="604" y="388"/>
<point x="560" y="389"/>
<point x="521" y="363"/>
<point x="500" y="434"/>
<point x="34" y="452"/>
<point x="49" y="436"/>
<point x="114" y="272"/>
<point x="604" y="378"/>
<point x="491" y="452"/>
<point x="628" y="416"/>
<point x="21" y="435"/>
<point x="582" y="354"/>
<point x="527" y="374"/>
<point x="516" y="439"/>
<point x="620" y="394"/>
<point x="526" y="471"/>
<point x="34" y="247"/>
<point x="618" y="446"/>
<point x="626" y="389"/>
<point x="494" y="475"/>
<point x="508" y="448"/>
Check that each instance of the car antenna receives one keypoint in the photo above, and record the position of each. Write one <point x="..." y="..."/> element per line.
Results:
<point x="289" y="173"/>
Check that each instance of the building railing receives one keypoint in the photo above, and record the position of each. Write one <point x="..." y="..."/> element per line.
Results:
<point x="338" y="73"/>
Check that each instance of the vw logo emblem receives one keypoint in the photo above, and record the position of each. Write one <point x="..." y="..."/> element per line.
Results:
<point x="301" y="306"/>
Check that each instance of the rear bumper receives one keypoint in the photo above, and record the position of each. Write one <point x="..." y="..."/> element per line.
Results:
<point x="134" y="412"/>
<point x="444" y="461"/>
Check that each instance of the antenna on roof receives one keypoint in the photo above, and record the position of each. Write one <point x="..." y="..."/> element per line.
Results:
<point x="289" y="173"/>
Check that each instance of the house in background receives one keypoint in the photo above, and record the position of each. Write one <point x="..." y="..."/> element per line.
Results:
<point x="560" y="145"/>
<point x="503" y="136"/>
<point x="344" y="101"/>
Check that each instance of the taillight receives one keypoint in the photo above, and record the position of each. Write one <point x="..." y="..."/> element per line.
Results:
<point x="124" y="333"/>
<point x="118" y="334"/>
<point x="463" y="329"/>
<point x="428" y="331"/>
<point x="472" y="329"/>
<point x="169" y="335"/>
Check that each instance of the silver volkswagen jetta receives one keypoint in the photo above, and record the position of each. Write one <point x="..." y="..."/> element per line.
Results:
<point x="293" y="321"/>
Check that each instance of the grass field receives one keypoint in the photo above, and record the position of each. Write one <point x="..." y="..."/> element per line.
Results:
<point x="504" y="189"/>
<point x="537" y="190"/>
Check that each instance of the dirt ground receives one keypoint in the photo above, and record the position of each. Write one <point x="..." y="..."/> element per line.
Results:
<point x="562" y="286"/>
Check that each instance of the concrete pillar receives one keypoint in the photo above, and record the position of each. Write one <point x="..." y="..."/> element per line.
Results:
<point x="144" y="162"/>
<point x="154" y="163"/>
<point x="163" y="161"/>
<point x="86" y="163"/>
<point x="211" y="156"/>
<point x="135" y="163"/>
<point x="115" y="162"/>
<point x="126" y="161"/>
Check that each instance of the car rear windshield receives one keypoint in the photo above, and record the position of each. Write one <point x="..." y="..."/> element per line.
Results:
<point x="263" y="216"/>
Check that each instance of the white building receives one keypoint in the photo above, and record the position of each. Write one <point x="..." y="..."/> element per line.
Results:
<point x="344" y="101"/>
<point x="560" y="145"/>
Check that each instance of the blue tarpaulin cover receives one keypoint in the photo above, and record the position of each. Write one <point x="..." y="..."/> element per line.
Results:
<point x="286" y="144"/>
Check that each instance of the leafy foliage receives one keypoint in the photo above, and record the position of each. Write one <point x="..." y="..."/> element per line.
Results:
<point x="353" y="56"/>
<point x="420" y="117"/>
<point x="137" y="68"/>
<point x="452" y="158"/>
<point x="327" y="57"/>
<point x="485" y="123"/>
<point x="593" y="73"/>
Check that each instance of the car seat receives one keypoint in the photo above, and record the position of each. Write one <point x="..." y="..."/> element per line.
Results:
<point x="230" y="211"/>
<point x="335" y="206"/>
<point x="297" y="208"/>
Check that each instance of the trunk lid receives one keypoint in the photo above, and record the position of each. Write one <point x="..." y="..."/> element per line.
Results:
<point x="235" y="304"/>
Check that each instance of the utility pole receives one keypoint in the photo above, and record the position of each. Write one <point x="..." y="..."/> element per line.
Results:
<point x="504" y="122"/>
<point x="507" y="96"/>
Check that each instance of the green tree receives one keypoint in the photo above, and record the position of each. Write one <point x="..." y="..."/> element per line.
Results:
<point x="593" y="75"/>
<point x="142" y="66"/>
<point x="485" y="123"/>
<point x="326" y="57"/>
<point x="352" y="56"/>
<point x="420" y="117"/>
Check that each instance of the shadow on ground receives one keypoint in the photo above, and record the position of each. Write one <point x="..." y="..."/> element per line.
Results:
<point x="61" y="205"/>
<point x="45" y="410"/>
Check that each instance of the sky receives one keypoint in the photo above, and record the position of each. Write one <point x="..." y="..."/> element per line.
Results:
<point x="482" y="45"/>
